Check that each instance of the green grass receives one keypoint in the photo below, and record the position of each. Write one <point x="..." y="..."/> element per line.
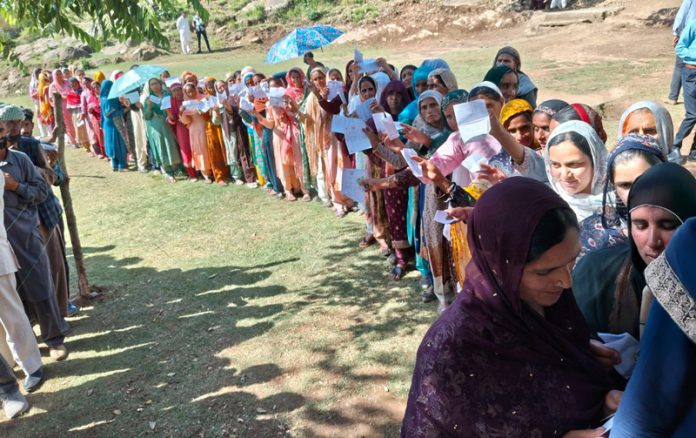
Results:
<point x="227" y="310"/>
<point x="221" y="302"/>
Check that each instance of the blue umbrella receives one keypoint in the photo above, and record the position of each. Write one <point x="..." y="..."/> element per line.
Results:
<point x="134" y="79"/>
<point x="300" y="41"/>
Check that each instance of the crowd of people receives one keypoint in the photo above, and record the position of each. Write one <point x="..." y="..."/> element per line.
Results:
<point x="546" y="206"/>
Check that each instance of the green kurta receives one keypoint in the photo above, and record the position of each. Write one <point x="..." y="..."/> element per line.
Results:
<point x="163" y="145"/>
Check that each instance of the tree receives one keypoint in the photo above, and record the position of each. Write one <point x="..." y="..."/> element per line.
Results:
<point x="137" y="20"/>
<point x="82" y="282"/>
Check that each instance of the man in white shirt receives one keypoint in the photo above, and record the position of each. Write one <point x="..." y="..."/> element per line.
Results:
<point x="182" y="24"/>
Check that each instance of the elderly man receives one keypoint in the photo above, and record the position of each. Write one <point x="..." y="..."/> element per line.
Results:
<point x="50" y="212"/>
<point x="184" y="28"/>
<point x="17" y="340"/>
<point x="24" y="190"/>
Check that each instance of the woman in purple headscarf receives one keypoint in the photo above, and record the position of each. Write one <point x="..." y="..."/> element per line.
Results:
<point x="393" y="100"/>
<point x="511" y="357"/>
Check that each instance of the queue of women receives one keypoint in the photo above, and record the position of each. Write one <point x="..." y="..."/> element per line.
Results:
<point x="552" y="258"/>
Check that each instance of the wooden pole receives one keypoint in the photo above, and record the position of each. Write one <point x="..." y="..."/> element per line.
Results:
<point x="82" y="282"/>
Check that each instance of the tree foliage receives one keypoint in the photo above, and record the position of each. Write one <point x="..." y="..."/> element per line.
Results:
<point x="91" y="21"/>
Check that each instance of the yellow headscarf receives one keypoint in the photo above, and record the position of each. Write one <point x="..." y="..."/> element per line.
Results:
<point x="513" y="108"/>
<point x="98" y="76"/>
<point x="45" y="108"/>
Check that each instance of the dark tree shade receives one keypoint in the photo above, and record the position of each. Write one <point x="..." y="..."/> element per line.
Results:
<point x="137" y="20"/>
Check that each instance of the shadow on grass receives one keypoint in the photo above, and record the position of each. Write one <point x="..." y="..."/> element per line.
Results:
<point x="147" y="353"/>
<point x="388" y="311"/>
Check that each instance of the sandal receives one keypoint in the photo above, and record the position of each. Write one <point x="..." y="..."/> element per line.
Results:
<point x="367" y="241"/>
<point x="398" y="272"/>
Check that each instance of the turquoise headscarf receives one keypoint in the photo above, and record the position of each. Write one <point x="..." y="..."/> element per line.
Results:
<point x="409" y="114"/>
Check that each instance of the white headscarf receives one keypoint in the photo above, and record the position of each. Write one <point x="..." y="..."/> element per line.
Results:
<point x="487" y="84"/>
<point x="584" y="205"/>
<point x="663" y="123"/>
<point x="381" y="79"/>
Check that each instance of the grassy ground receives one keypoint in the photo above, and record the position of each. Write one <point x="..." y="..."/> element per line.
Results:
<point x="229" y="313"/>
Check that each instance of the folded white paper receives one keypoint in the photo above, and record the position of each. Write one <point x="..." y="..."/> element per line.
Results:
<point x="166" y="103"/>
<point x="627" y="346"/>
<point x="363" y="110"/>
<point x="473" y="162"/>
<point x="132" y="97"/>
<point x="366" y="65"/>
<point x="245" y="105"/>
<point x="155" y="99"/>
<point x="385" y="124"/>
<point x="276" y="97"/>
<point x="472" y="119"/>
<point x="235" y="89"/>
<point x="190" y="105"/>
<point x="335" y="89"/>
<point x="350" y="186"/>
<point x="221" y="97"/>
<point x="356" y="139"/>
<point x="258" y="92"/>
<point x="441" y="217"/>
<point x="408" y="155"/>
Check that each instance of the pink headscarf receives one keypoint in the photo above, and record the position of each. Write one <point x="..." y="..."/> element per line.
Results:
<point x="63" y="88"/>
<point x="296" y="93"/>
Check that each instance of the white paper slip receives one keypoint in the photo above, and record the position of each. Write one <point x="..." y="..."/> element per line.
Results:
<point x="408" y="155"/>
<point x="155" y="99"/>
<point x="472" y="119"/>
<point x="245" y="105"/>
<point x="473" y="162"/>
<point x="627" y="346"/>
<point x="276" y="97"/>
<point x="366" y="65"/>
<point x="190" y="105"/>
<point x="339" y="124"/>
<point x="363" y="110"/>
<point x="166" y="103"/>
<point x="441" y="217"/>
<point x="235" y="89"/>
<point x="608" y="425"/>
<point x="335" y="89"/>
<point x="132" y="97"/>
<point x="385" y="124"/>
<point x="212" y="101"/>
<point x="350" y="186"/>
<point x="258" y="93"/>
<point x="221" y="97"/>
<point x="204" y="105"/>
<point x="266" y="87"/>
<point x="356" y="139"/>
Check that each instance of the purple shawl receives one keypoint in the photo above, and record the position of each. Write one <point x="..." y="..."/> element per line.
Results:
<point x="395" y="87"/>
<point x="490" y="365"/>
